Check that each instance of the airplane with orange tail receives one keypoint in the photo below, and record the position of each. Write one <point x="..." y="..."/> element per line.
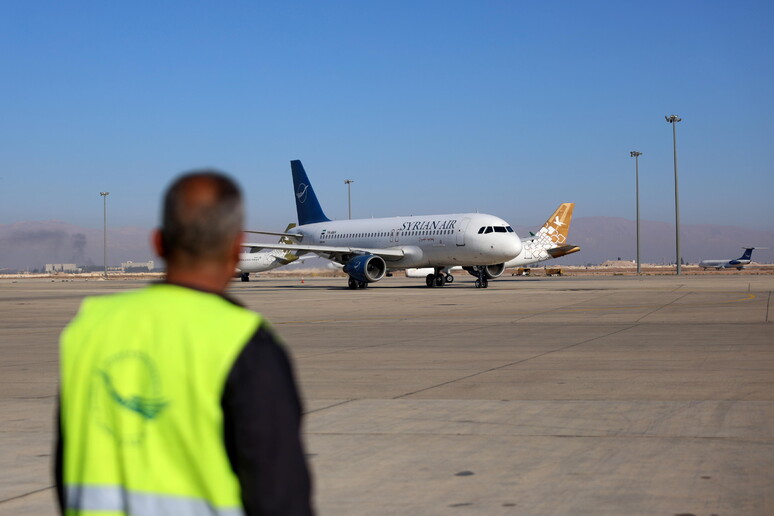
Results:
<point x="549" y="242"/>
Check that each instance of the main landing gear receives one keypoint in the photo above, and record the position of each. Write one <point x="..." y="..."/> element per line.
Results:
<point x="355" y="284"/>
<point x="245" y="276"/>
<point x="439" y="279"/>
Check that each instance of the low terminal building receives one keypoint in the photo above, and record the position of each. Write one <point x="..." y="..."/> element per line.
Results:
<point x="131" y="266"/>
<point x="62" y="267"/>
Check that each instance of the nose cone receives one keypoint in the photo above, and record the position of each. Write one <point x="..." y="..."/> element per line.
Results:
<point x="513" y="247"/>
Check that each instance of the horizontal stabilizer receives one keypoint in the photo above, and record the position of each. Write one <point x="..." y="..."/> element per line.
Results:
<point x="564" y="250"/>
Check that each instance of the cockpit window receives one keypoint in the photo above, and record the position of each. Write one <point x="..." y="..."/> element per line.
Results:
<point x="509" y="228"/>
<point x="488" y="229"/>
<point x="481" y="230"/>
<point x="499" y="229"/>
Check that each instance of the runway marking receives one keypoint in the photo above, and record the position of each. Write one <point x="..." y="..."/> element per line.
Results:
<point x="516" y="362"/>
<point x="23" y="495"/>
<point x="674" y="303"/>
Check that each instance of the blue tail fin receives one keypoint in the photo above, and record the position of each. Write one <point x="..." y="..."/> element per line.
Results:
<point x="307" y="205"/>
<point x="747" y="253"/>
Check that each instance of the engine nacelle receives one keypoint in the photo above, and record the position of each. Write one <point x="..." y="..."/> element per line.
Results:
<point x="368" y="268"/>
<point x="490" y="271"/>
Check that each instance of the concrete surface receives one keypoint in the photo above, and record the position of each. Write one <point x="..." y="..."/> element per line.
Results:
<point x="537" y="396"/>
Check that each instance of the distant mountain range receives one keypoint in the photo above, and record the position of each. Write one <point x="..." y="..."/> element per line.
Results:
<point x="610" y="238"/>
<point x="31" y="245"/>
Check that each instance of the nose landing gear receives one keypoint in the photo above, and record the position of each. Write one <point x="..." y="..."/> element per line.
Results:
<point x="481" y="281"/>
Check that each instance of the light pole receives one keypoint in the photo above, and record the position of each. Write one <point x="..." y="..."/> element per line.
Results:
<point x="673" y="119"/>
<point x="636" y="155"/>
<point x="104" y="228"/>
<point x="348" y="182"/>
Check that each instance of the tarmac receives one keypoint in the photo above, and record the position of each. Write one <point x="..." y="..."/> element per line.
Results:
<point x="537" y="396"/>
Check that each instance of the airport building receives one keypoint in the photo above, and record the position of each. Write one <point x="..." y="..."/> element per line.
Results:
<point x="131" y="266"/>
<point x="62" y="267"/>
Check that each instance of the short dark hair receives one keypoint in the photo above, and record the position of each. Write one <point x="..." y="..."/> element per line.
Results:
<point x="201" y="215"/>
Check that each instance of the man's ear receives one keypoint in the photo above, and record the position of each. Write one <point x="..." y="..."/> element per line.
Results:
<point x="236" y="247"/>
<point x="158" y="243"/>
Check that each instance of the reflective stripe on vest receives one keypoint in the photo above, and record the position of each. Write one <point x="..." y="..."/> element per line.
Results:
<point x="117" y="499"/>
<point x="142" y="377"/>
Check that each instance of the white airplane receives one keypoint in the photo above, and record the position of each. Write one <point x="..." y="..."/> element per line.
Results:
<point x="549" y="242"/>
<point x="739" y="263"/>
<point x="260" y="261"/>
<point x="368" y="248"/>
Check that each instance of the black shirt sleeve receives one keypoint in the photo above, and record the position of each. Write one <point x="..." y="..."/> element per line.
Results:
<point x="262" y="430"/>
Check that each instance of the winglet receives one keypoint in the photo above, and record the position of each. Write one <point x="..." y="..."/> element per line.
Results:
<point x="307" y="205"/>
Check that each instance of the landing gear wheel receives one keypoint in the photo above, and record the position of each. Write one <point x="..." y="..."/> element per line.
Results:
<point x="449" y="278"/>
<point x="481" y="281"/>
<point x="440" y="280"/>
<point x="362" y="284"/>
<point x="245" y="276"/>
<point x="430" y="280"/>
<point x="352" y="283"/>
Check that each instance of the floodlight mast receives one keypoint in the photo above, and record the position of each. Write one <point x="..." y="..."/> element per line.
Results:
<point x="673" y="119"/>
<point x="348" y="182"/>
<point x="636" y="155"/>
<point x="104" y="228"/>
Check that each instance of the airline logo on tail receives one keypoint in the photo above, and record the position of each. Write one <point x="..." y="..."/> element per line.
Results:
<point x="554" y="231"/>
<point x="289" y="256"/>
<point x="301" y="192"/>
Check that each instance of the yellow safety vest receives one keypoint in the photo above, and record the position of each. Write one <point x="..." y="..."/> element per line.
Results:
<point x="142" y="375"/>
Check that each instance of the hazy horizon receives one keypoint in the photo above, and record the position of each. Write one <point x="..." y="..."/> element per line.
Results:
<point x="34" y="243"/>
<point x="433" y="107"/>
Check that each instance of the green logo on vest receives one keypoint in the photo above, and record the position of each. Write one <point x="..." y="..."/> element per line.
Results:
<point x="127" y="396"/>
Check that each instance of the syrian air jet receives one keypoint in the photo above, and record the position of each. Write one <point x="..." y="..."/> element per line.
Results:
<point x="738" y="264"/>
<point x="368" y="248"/>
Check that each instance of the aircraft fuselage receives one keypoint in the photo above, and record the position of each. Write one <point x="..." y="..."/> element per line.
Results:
<point x="426" y="241"/>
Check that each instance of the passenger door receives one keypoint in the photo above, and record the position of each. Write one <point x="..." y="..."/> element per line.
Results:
<point x="461" y="231"/>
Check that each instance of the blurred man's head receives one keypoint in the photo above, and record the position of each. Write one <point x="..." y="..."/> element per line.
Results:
<point x="201" y="223"/>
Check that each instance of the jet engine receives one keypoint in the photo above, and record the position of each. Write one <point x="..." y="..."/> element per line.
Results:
<point x="366" y="268"/>
<point x="490" y="271"/>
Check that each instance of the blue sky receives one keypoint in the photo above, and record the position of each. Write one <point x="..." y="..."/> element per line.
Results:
<point x="502" y="107"/>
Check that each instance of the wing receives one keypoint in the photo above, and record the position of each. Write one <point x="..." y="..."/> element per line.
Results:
<point x="289" y="235"/>
<point x="335" y="253"/>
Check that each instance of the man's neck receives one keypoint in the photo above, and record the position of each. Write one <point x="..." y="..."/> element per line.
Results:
<point x="210" y="278"/>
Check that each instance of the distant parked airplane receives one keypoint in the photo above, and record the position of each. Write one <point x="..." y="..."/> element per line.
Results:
<point x="738" y="264"/>
<point x="259" y="261"/>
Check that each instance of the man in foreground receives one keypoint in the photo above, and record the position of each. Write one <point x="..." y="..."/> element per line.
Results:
<point x="175" y="399"/>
